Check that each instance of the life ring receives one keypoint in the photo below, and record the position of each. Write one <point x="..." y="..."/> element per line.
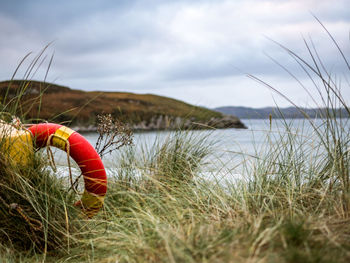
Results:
<point x="82" y="152"/>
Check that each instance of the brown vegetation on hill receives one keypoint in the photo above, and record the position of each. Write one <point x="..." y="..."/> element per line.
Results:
<point x="46" y="101"/>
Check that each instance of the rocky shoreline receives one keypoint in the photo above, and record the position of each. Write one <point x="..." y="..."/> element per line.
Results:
<point x="165" y="122"/>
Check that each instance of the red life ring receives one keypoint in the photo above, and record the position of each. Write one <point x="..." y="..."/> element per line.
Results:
<point x="82" y="152"/>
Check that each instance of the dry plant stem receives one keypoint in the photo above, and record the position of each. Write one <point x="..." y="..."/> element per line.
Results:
<point x="112" y="135"/>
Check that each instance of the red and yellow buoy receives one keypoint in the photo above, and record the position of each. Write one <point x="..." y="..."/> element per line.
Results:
<point x="82" y="152"/>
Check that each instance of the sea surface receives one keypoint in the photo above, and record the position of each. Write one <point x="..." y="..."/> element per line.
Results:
<point x="231" y="149"/>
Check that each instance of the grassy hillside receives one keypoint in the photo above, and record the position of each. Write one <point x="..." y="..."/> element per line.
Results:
<point x="62" y="104"/>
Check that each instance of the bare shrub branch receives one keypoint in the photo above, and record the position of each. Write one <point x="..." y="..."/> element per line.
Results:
<point x="113" y="134"/>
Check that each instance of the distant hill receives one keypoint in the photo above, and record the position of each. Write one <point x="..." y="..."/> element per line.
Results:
<point x="47" y="101"/>
<point x="290" y="112"/>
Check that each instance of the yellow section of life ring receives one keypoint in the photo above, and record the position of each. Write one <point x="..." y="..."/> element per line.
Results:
<point x="60" y="137"/>
<point x="16" y="145"/>
<point x="91" y="203"/>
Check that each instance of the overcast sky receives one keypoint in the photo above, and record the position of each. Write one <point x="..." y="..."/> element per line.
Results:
<point x="198" y="51"/>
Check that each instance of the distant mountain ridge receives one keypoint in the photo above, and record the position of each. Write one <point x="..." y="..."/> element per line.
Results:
<point x="288" y="113"/>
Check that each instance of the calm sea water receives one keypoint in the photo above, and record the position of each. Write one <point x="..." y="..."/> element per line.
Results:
<point x="231" y="147"/>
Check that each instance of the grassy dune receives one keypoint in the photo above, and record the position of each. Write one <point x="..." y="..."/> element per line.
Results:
<point x="291" y="207"/>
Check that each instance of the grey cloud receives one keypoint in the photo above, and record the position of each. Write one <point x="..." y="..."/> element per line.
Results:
<point x="169" y="46"/>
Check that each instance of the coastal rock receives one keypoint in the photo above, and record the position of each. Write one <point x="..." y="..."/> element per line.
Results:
<point x="165" y="122"/>
<point x="226" y="121"/>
